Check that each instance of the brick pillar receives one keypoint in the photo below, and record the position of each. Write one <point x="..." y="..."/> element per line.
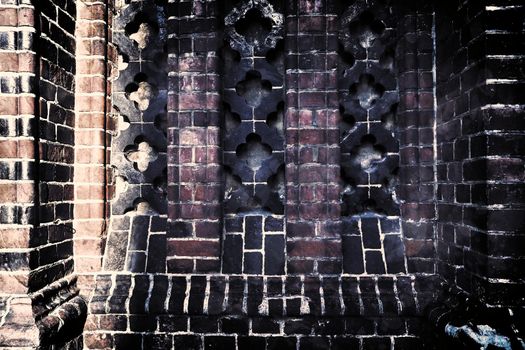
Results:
<point x="94" y="59"/>
<point x="480" y="149"/>
<point x="312" y="136"/>
<point x="416" y="122"/>
<point x="194" y="177"/>
<point x="17" y="159"/>
<point x="37" y="217"/>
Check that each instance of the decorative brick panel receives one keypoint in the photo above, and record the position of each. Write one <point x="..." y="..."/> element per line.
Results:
<point x="368" y="97"/>
<point x="253" y="139"/>
<point x="137" y="230"/>
<point x="261" y="174"/>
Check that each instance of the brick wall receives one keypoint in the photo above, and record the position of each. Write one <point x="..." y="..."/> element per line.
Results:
<point x="16" y="171"/>
<point x="480" y="149"/>
<point x="38" y="109"/>
<point x="95" y="60"/>
<point x="232" y="274"/>
<point x="259" y="174"/>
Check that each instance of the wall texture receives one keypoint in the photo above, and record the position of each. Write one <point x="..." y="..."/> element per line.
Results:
<point x="41" y="306"/>
<point x="266" y="174"/>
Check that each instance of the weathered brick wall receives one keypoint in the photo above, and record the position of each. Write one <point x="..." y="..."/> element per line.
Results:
<point x="43" y="306"/>
<point x="17" y="155"/>
<point x="232" y="273"/>
<point x="94" y="124"/>
<point x="219" y="311"/>
<point x="480" y="149"/>
<point x="259" y="174"/>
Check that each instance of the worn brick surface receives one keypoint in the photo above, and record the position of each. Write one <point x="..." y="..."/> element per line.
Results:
<point x="477" y="154"/>
<point x="263" y="174"/>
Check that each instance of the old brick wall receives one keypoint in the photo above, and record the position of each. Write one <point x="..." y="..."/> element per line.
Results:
<point x="242" y="274"/>
<point x="43" y="306"/>
<point x="17" y="155"/>
<point x="480" y="149"/>
<point x="264" y="174"/>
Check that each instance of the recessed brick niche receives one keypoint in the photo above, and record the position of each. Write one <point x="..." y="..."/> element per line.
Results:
<point x="261" y="174"/>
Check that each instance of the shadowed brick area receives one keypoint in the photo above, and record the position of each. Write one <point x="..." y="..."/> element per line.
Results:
<point x="261" y="174"/>
<point x="40" y="301"/>
<point x="197" y="310"/>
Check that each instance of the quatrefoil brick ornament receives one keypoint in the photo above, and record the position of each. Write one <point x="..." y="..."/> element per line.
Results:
<point x="254" y="27"/>
<point x="368" y="97"/>
<point x="142" y="155"/>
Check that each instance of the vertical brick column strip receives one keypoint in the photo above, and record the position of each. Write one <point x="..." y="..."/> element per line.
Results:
<point x="253" y="138"/>
<point x="416" y="121"/>
<point x="503" y="113"/>
<point x="137" y="232"/>
<point x="480" y="149"/>
<point x="17" y="160"/>
<point x="312" y="150"/>
<point x="37" y="108"/>
<point x="368" y="95"/>
<point x="194" y="177"/>
<point x="95" y="59"/>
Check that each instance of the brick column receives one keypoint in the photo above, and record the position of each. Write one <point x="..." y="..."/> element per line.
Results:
<point x="94" y="59"/>
<point x="17" y="157"/>
<point x="416" y="123"/>
<point x="480" y="149"/>
<point x="37" y="109"/>
<point x="194" y="177"/>
<point x="312" y="137"/>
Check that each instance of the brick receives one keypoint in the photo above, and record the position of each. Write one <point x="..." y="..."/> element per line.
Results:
<point x="314" y="248"/>
<point x="193" y="248"/>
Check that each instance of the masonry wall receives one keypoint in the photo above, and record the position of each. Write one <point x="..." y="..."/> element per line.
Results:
<point x="304" y="291"/>
<point x="17" y="174"/>
<point x="479" y="149"/>
<point x="260" y="174"/>
<point x="39" y="109"/>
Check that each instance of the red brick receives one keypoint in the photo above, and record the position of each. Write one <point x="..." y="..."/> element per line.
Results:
<point x="193" y="248"/>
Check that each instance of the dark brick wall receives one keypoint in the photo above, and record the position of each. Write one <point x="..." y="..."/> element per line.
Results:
<point x="43" y="307"/>
<point x="52" y="239"/>
<point x="321" y="175"/>
<point x="480" y="149"/>
<point x="242" y="268"/>
<point x="238" y="312"/>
